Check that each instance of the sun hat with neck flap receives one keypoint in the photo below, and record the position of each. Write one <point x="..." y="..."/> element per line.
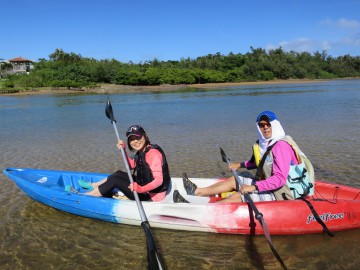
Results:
<point x="277" y="130"/>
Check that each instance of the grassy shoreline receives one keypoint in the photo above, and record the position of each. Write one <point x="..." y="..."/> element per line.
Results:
<point x="128" y="89"/>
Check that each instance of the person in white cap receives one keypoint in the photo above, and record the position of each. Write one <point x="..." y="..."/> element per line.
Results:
<point x="274" y="156"/>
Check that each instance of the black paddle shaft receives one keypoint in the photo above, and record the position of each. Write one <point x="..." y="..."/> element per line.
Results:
<point x="258" y="214"/>
<point x="154" y="262"/>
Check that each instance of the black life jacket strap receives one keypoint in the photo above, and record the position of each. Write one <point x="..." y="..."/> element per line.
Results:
<point x="262" y="161"/>
<point x="300" y="178"/>
<point x="306" y="188"/>
<point x="317" y="217"/>
<point x="137" y="157"/>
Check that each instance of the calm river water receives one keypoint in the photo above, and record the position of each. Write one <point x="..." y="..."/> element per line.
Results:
<point x="72" y="133"/>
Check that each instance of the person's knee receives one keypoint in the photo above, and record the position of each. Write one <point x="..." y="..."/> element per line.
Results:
<point x="236" y="197"/>
<point x="231" y="183"/>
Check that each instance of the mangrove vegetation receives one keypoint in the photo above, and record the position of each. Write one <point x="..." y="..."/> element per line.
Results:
<point x="71" y="70"/>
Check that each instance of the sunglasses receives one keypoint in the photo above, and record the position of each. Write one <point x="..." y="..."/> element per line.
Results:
<point x="135" y="137"/>
<point x="262" y="125"/>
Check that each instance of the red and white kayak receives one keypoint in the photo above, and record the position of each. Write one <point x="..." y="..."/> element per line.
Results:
<point x="337" y="205"/>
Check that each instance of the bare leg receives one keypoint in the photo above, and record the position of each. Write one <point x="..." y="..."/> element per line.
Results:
<point x="95" y="192"/>
<point x="217" y="188"/>
<point x="96" y="184"/>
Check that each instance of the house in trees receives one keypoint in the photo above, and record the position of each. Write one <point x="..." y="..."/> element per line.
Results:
<point x="20" y="65"/>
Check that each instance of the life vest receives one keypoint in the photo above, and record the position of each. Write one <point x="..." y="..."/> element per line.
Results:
<point x="143" y="174"/>
<point x="300" y="180"/>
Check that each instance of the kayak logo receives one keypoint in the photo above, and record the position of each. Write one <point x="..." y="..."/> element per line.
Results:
<point x="325" y="217"/>
<point x="42" y="180"/>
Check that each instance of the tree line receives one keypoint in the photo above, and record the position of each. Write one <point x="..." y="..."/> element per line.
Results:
<point x="74" y="71"/>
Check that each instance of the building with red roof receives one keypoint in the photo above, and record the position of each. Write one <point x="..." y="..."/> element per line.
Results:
<point x="20" y="65"/>
<point x="20" y="60"/>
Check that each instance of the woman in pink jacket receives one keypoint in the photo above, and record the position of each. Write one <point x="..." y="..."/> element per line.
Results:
<point x="151" y="172"/>
<point x="272" y="157"/>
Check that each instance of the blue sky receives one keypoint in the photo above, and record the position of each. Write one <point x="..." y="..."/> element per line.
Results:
<point x="139" y="30"/>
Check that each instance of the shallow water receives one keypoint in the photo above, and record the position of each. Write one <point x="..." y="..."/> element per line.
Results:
<point x="72" y="133"/>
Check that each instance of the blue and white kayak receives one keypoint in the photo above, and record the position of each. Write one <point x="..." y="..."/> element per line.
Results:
<point x="337" y="205"/>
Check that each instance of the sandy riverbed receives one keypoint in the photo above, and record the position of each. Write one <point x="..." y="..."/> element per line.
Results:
<point x="113" y="88"/>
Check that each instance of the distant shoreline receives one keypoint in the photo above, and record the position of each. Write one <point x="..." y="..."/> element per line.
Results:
<point x="129" y="89"/>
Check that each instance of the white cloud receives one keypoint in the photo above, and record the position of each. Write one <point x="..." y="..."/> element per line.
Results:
<point x="298" y="45"/>
<point x="341" y="23"/>
<point x="337" y="37"/>
<point x="353" y="39"/>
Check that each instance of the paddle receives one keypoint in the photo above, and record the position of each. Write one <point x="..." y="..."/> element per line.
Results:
<point x="258" y="215"/>
<point x="152" y="254"/>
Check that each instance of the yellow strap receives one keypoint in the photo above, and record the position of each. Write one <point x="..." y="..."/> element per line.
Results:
<point x="256" y="151"/>
<point x="225" y="195"/>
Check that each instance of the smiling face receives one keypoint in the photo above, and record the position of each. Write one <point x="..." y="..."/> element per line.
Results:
<point x="138" y="143"/>
<point x="265" y="129"/>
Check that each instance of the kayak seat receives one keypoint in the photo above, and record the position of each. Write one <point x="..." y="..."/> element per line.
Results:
<point x="68" y="180"/>
<point x="65" y="180"/>
<point x="169" y="192"/>
<point x="73" y="180"/>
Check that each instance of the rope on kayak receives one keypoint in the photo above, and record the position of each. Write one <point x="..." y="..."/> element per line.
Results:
<point x="317" y="217"/>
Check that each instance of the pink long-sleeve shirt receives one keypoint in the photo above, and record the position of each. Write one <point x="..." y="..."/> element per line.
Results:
<point x="284" y="156"/>
<point x="155" y="160"/>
